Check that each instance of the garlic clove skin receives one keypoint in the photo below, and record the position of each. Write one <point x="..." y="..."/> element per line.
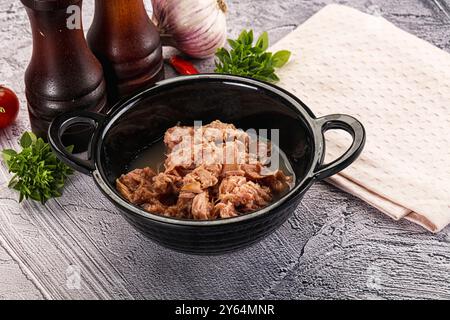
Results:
<point x="196" y="27"/>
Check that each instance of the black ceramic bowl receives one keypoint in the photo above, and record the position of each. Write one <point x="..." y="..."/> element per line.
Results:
<point x="136" y="123"/>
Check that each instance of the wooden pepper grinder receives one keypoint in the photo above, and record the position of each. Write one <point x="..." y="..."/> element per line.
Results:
<point x="127" y="44"/>
<point x="63" y="74"/>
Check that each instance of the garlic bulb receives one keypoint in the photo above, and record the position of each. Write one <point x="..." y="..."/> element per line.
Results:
<point x="195" y="27"/>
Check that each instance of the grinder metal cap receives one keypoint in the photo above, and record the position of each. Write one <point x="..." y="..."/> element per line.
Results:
<point x="49" y="5"/>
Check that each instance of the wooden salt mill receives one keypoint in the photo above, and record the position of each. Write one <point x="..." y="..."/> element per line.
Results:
<point x="63" y="74"/>
<point x="127" y="44"/>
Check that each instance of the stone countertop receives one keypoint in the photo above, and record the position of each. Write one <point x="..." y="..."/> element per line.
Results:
<point x="334" y="246"/>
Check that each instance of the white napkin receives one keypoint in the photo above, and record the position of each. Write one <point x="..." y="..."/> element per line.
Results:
<point x="398" y="86"/>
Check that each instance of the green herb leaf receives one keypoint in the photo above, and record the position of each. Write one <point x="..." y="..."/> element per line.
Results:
<point x="28" y="138"/>
<point x="263" y="41"/>
<point x="8" y="154"/>
<point x="249" y="38"/>
<point x="13" y="182"/>
<point x="69" y="149"/>
<point x="243" y="36"/>
<point x="280" y="58"/>
<point x="38" y="174"/>
<point x="233" y="44"/>
<point x="244" y="59"/>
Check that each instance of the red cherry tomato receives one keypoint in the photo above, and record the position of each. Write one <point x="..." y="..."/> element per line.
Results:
<point x="9" y="107"/>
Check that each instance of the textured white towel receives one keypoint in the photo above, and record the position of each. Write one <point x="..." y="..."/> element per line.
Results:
<point x="345" y="61"/>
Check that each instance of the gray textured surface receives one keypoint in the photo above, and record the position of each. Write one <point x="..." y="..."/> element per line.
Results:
<point x="334" y="246"/>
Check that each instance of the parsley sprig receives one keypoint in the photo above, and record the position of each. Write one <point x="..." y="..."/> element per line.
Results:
<point x="38" y="174"/>
<point x="246" y="59"/>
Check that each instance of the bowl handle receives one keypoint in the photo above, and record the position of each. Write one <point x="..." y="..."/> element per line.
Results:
<point x="60" y="125"/>
<point x="350" y="125"/>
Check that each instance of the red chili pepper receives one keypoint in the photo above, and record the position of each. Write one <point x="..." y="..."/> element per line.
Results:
<point x="182" y="66"/>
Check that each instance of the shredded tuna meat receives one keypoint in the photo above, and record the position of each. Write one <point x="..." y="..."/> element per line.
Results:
<point x="211" y="172"/>
<point x="201" y="207"/>
<point x="224" y="210"/>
